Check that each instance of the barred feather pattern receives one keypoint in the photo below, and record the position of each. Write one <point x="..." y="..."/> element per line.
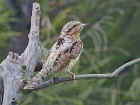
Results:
<point x="62" y="56"/>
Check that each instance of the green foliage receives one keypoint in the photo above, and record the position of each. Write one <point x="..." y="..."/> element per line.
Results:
<point x="5" y="30"/>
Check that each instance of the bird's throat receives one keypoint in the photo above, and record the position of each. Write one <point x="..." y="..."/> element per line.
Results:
<point x="75" y="36"/>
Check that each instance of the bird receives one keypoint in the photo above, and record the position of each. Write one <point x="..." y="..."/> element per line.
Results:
<point x="63" y="55"/>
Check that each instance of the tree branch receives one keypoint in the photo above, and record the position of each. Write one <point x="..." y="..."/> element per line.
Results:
<point x="86" y="76"/>
<point x="11" y="75"/>
<point x="1" y="90"/>
<point x="11" y="68"/>
<point x="33" y="53"/>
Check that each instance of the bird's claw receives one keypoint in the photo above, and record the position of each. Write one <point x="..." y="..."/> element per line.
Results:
<point x="55" y="79"/>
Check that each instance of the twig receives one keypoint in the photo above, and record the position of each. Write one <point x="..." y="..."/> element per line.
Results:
<point x="86" y="76"/>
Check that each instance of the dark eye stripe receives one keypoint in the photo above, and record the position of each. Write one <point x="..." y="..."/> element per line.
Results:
<point x="70" y="29"/>
<point x="73" y="27"/>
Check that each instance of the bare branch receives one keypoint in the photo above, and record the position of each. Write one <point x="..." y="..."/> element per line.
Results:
<point x="11" y="76"/>
<point x="1" y="90"/>
<point x="11" y="69"/>
<point x="86" y="76"/>
<point x="33" y="53"/>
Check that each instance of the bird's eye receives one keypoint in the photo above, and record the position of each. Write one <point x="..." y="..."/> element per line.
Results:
<point x="74" y="26"/>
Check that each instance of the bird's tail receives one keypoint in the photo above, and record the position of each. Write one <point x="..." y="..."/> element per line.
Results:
<point x="35" y="81"/>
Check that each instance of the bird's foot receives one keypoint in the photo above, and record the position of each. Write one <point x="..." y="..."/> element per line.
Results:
<point x="73" y="77"/>
<point x="55" y="79"/>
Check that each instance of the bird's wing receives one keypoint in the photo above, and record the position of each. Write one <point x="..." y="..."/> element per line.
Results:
<point x="66" y="55"/>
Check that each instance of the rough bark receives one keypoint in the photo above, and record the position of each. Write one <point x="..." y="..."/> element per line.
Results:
<point x="1" y="90"/>
<point x="12" y="73"/>
<point x="33" y="53"/>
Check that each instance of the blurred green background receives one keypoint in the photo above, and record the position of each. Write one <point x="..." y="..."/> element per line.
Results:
<point x="110" y="40"/>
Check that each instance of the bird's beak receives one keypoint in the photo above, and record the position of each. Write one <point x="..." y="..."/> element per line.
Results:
<point x="81" y="26"/>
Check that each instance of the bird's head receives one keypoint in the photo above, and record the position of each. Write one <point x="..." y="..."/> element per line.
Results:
<point x="72" y="29"/>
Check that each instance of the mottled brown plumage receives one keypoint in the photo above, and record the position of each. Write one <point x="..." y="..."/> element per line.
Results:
<point x="63" y="55"/>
